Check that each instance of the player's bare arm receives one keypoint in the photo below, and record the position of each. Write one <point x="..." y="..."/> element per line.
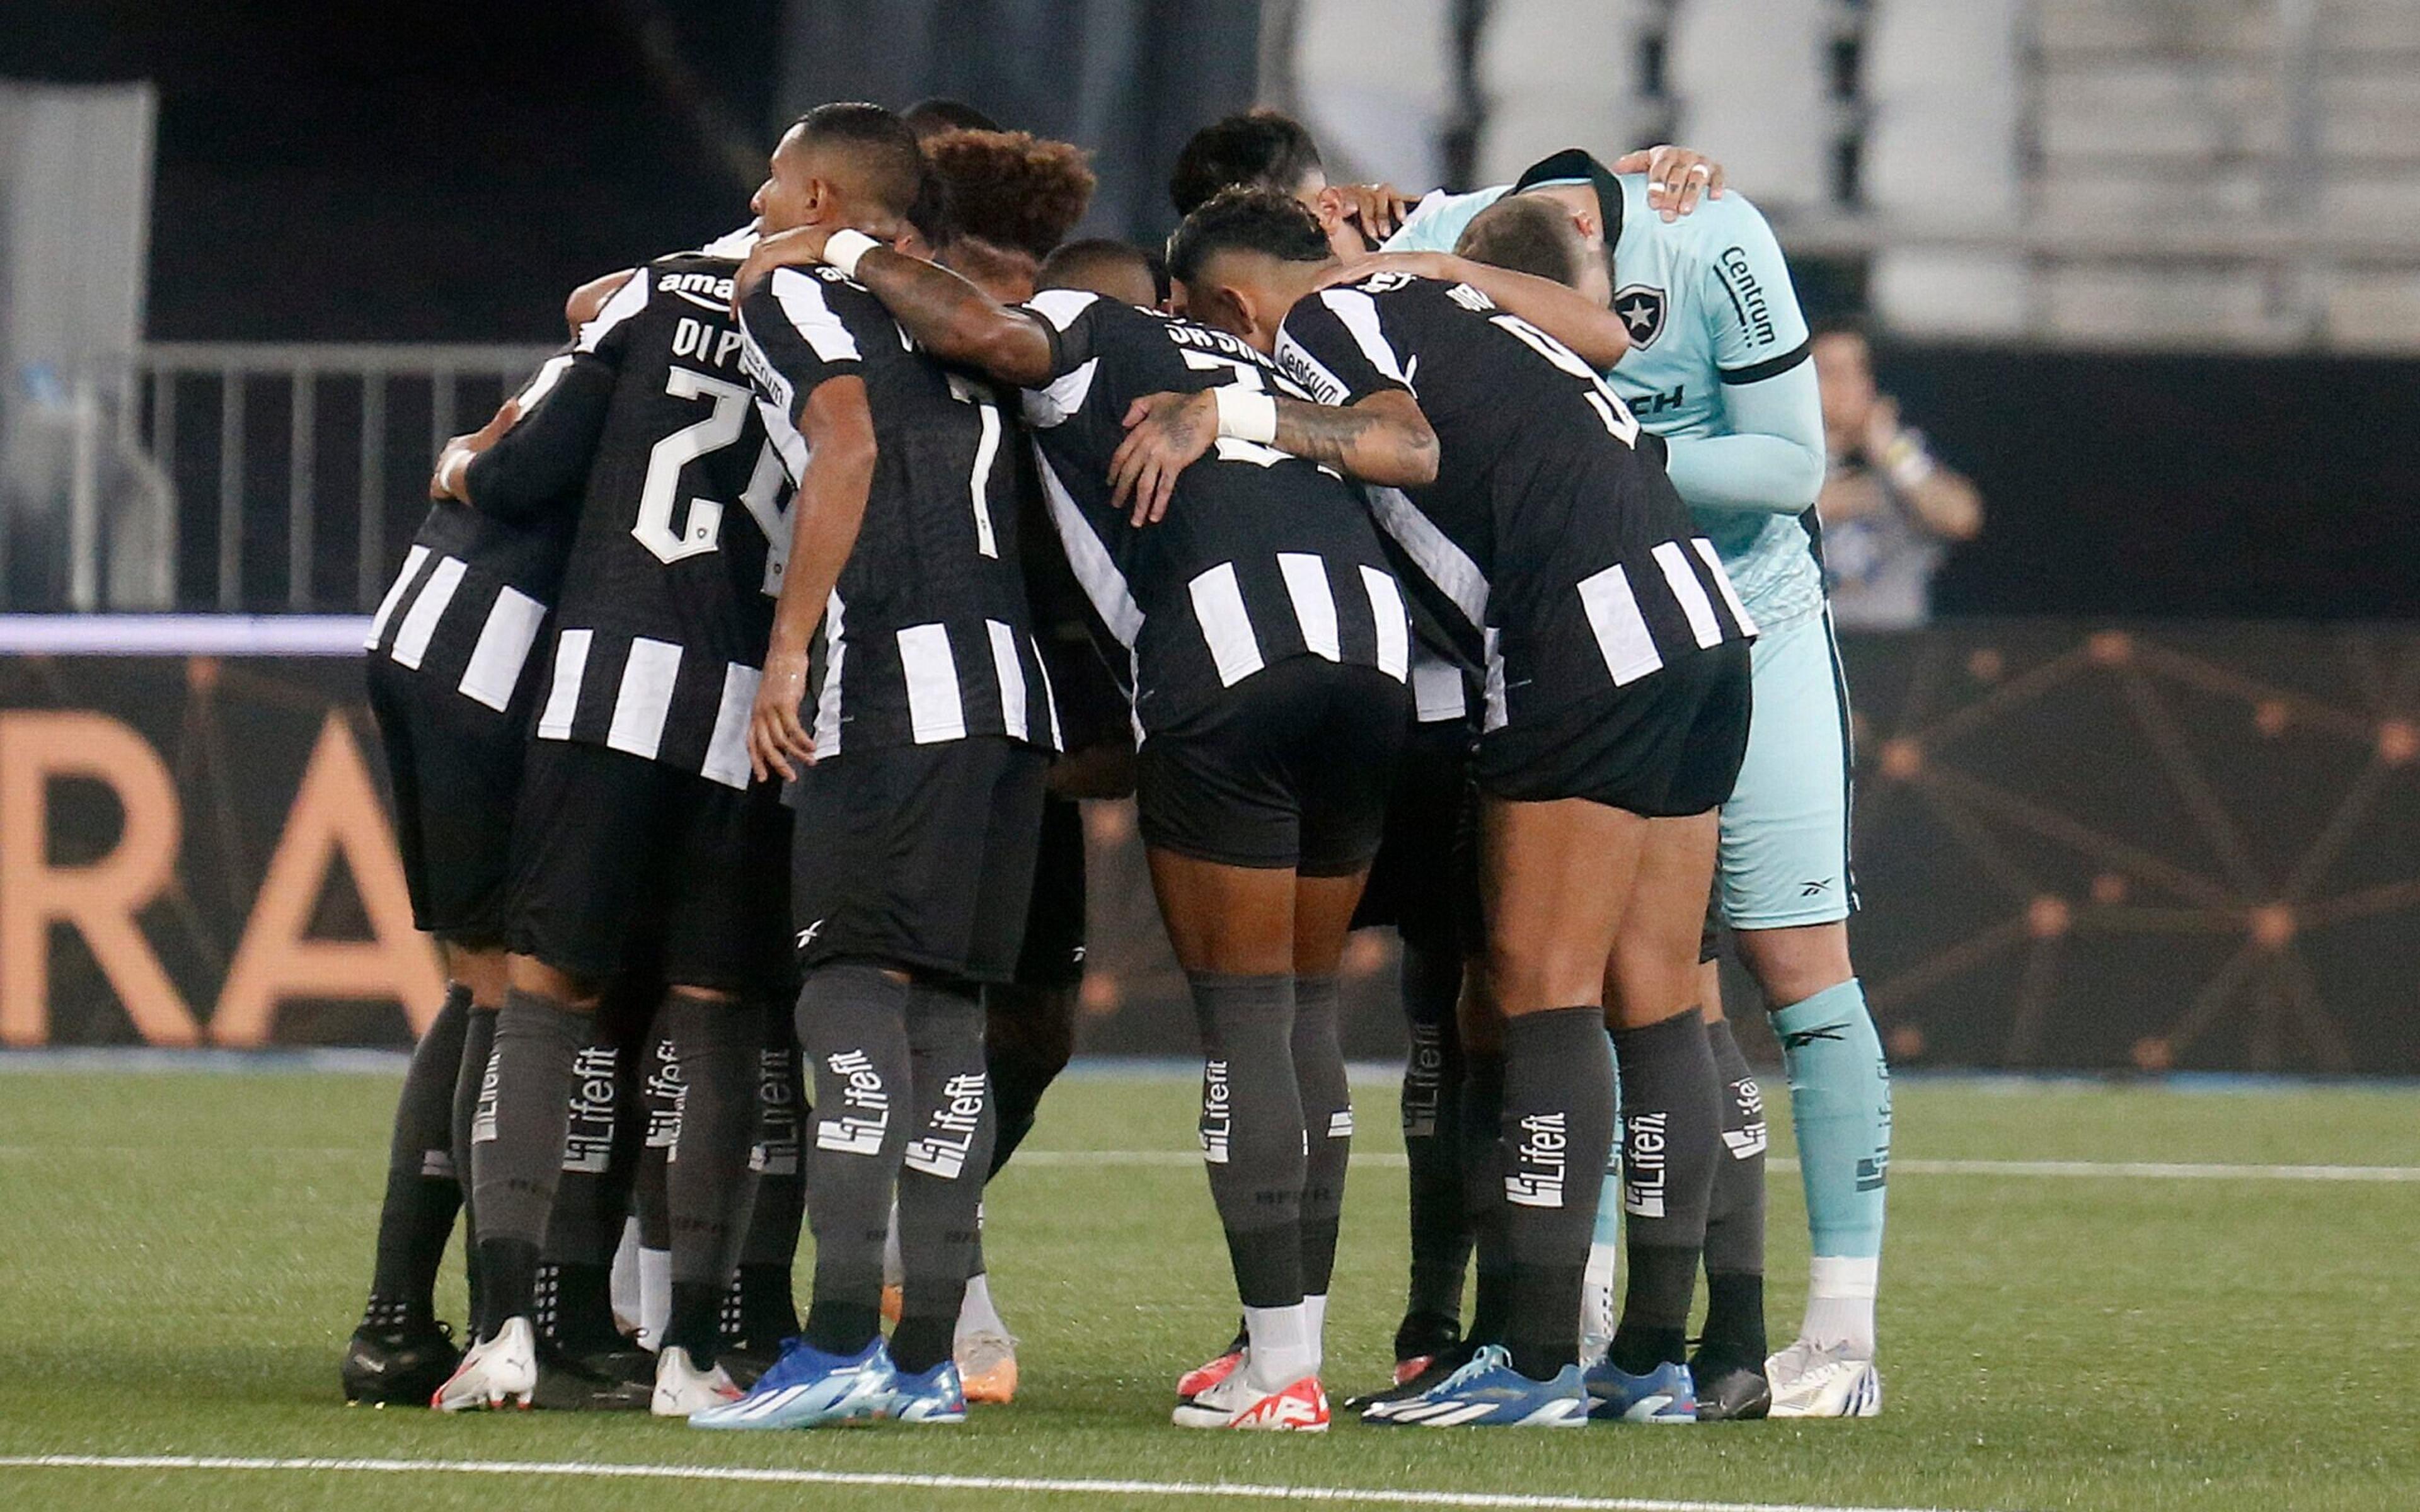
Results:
<point x="1383" y="439"/>
<point x="824" y="522"/>
<point x="949" y="316"/>
<point x="1592" y="330"/>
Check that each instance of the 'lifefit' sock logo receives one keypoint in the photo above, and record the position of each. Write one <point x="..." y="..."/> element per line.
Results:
<point x="951" y="1133"/>
<point x="664" y="1090"/>
<point x="1746" y="1140"/>
<point x="1217" y="1113"/>
<point x="595" y="1096"/>
<point x="864" y="1108"/>
<point x="776" y="1152"/>
<point x="1423" y="1082"/>
<point x="1642" y="1164"/>
<point x="1541" y="1163"/>
<point x="483" y="1114"/>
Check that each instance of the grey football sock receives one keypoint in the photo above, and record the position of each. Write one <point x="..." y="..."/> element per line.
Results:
<point x="1251" y="1130"/>
<point x="852" y="1022"/>
<point x="422" y="1190"/>
<point x="1736" y="1217"/>
<point x="1557" y="1133"/>
<point x="1432" y="1109"/>
<point x="517" y="1146"/>
<point x="941" y="1176"/>
<point x="1672" y="1123"/>
<point x="1327" y="1125"/>
<point x="707" y="1185"/>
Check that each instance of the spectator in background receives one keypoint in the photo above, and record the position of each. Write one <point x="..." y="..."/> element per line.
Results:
<point x="1889" y="510"/>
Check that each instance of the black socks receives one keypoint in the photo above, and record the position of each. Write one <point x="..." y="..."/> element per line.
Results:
<point x="1433" y="1146"/>
<point x="1029" y="1034"/>
<point x="422" y="1190"/>
<point x="852" y="1026"/>
<point x="1327" y="1125"/>
<point x="1558" y="1130"/>
<point x="707" y="1185"/>
<point x="1253" y="1131"/>
<point x="1734" y="1327"/>
<point x="517" y="1135"/>
<point x="1671" y="1120"/>
<point x="767" y="1309"/>
<point x="478" y="1044"/>
<point x="1483" y="1190"/>
<point x="942" y="1169"/>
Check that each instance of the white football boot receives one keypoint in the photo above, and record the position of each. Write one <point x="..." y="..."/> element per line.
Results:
<point x="1823" y="1381"/>
<point x="501" y="1371"/>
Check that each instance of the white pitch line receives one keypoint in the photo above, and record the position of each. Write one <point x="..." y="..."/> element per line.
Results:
<point x="1231" y="1491"/>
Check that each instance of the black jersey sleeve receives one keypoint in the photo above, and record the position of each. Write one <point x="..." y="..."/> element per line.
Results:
<point x="1072" y="318"/>
<point x="802" y="331"/>
<point x="538" y="465"/>
<point x="1334" y="345"/>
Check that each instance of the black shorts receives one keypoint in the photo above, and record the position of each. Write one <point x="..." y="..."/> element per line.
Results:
<point x="1052" y="958"/>
<point x="1289" y="769"/>
<point x="1425" y="880"/>
<point x="624" y="864"/>
<point x="1666" y="746"/>
<point x="456" y="766"/>
<point x="920" y="857"/>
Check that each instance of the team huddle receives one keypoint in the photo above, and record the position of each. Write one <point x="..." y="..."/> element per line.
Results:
<point x="1447" y="567"/>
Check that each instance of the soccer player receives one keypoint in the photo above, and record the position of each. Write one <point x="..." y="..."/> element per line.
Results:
<point x="639" y="833"/>
<point x="1615" y="658"/>
<point x="1268" y="648"/>
<point x="452" y="686"/>
<point x="1719" y="368"/>
<point x="919" y="786"/>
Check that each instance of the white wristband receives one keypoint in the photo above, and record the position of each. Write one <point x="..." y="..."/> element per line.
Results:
<point x="453" y="474"/>
<point x="842" y="249"/>
<point x="1246" y="414"/>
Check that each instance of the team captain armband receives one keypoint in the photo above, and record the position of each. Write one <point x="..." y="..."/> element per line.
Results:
<point x="1246" y="414"/>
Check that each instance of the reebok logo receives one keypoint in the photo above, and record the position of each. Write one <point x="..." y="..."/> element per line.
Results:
<point x="1541" y="1162"/>
<point x="864" y="1110"/>
<point x="806" y="936"/>
<point x="1642" y="1164"/>
<point x="950" y="1134"/>
<point x="1814" y="889"/>
<point x="1803" y="1038"/>
<point x="1217" y="1113"/>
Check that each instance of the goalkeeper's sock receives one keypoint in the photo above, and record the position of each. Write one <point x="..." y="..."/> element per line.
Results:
<point x="1839" y="1103"/>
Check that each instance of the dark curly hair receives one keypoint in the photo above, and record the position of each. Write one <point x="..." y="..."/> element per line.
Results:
<point x="1011" y="189"/>
<point x="1247" y="219"/>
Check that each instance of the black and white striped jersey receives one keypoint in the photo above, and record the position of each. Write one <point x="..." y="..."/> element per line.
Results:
<point x="928" y="636"/>
<point x="667" y="597"/>
<point x="1262" y="556"/>
<point x="466" y="610"/>
<point x="1555" y="553"/>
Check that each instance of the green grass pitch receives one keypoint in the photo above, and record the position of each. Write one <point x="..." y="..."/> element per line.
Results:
<point x="181" y="1256"/>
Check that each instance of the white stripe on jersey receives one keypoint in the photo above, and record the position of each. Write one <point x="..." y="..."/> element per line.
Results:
<point x="1112" y="600"/>
<point x="935" y="710"/>
<point x="627" y="301"/>
<point x="504" y="648"/>
<point x="1314" y="604"/>
<point x="412" y="561"/>
<point x="801" y="298"/>
<point x="1054" y="404"/>
<point x="1393" y="624"/>
<point x="1438" y="691"/>
<point x="542" y="383"/>
<point x="562" y="699"/>
<point x="827" y="731"/>
<point x="420" y="621"/>
<point x="1011" y="673"/>
<point x="1433" y="551"/>
<point x="1692" y="593"/>
<point x="1226" y="625"/>
<point x="1495" y="717"/>
<point x="1705" y="549"/>
<point x="1049" y="695"/>
<point x="1359" y="314"/>
<point x="1622" y="634"/>
<point x="644" y="698"/>
<point x="726" y="750"/>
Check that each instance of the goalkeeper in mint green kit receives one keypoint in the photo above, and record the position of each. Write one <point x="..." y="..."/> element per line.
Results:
<point x="1718" y="367"/>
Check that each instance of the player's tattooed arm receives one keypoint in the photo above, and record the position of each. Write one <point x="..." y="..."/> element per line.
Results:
<point x="1594" y="332"/>
<point x="824" y="522"/>
<point x="949" y="316"/>
<point x="1383" y="439"/>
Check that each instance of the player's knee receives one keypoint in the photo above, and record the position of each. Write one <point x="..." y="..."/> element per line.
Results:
<point x="1790" y="965"/>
